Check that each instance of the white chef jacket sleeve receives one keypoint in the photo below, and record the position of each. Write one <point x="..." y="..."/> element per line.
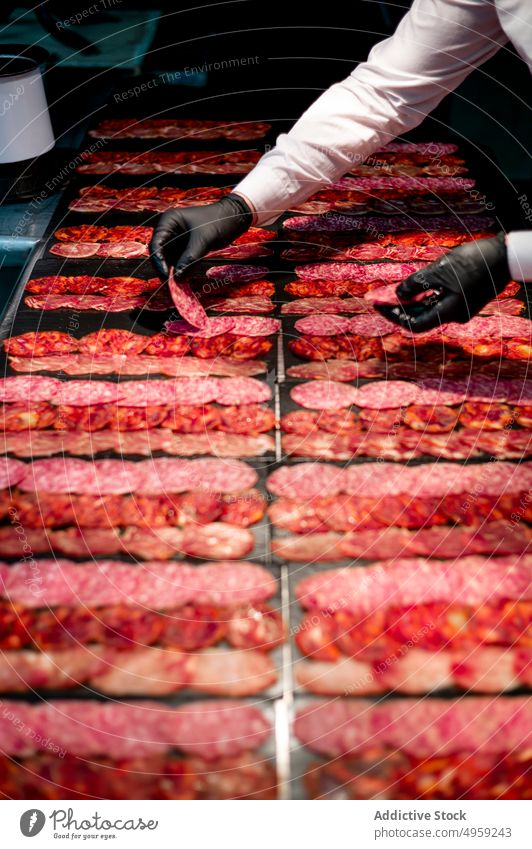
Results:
<point x="519" y="247"/>
<point x="436" y="45"/>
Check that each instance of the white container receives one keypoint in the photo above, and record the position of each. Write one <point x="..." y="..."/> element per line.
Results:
<point x="25" y="126"/>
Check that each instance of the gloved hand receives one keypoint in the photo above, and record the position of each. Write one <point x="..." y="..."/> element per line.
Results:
<point x="465" y="280"/>
<point x="182" y="236"/>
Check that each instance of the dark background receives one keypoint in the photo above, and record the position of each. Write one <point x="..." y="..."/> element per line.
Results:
<point x="302" y="48"/>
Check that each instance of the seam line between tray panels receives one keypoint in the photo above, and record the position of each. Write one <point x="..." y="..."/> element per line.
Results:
<point x="284" y="707"/>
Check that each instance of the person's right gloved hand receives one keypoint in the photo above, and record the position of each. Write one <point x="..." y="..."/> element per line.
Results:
<point x="183" y="236"/>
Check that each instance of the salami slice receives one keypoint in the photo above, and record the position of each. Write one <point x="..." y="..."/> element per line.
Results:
<point x="385" y="395"/>
<point x="344" y="271"/>
<point x="323" y="325"/>
<point x="211" y="328"/>
<point x="307" y="480"/>
<point x="85" y="392"/>
<point x="247" y="325"/>
<point x="249" y="304"/>
<point x="186" y="302"/>
<point x="330" y="306"/>
<point x="236" y="273"/>
<point x="11" y="472"/>
<point x="437" y="391"/>
<point x="27" y="389"/>
<point x="242" y="390"/>
<point x="75" y="250"/>
<point x="343" y="370"/>
<point x="371" y="325"/>
<point x="122" y="250"/>
<point x="323" y="395"/>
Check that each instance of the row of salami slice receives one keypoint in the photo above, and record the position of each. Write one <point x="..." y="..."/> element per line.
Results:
<point x="137" y="393"/>
<point x="103" y="477"/>
<point x="214" y="541"/>
<point x="498" y="537"/>
<point x="137" y="365"/>
<point x="382" y="588"/>
<point x="425" y="728"/>
<point x="154" y="585"/>
<point x="144" y="671"/>
<point x="309" y="480"/>
<point x="162" y="162"/>
<point x="142" y="442"/>
<point x="482" y="669"/>
<point x="335" y="223"/>
<point x="499" y="325"/>
<point x="178" y="128"/>
<point x="87" y="728"/>
<point x="390" y="394"/>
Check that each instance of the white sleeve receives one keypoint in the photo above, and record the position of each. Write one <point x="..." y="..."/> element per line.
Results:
<point x="436" y="45"/>
<point x="519" y="247"/>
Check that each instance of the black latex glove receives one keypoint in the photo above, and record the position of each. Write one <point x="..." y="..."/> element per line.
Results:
<point x="465" y="280"/>
<point x="182" y="236"/>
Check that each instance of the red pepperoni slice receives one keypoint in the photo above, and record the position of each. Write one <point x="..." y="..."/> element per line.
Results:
<point x="324" y="395"/>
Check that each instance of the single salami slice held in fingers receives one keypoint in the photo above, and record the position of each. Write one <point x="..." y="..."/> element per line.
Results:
<point x="324" y="395"/>
<point x="186" y="302"/>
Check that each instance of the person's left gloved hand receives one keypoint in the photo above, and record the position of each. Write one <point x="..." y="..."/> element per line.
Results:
<point x="464" y="281"/>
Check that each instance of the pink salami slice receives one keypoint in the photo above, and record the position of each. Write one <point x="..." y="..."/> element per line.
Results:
<point x="346" y="271"/>
<point x="249" y="325"/>
<point x="343" y="370"/>
<point x="27" y="389"/>
<point x="486" y="389"/>
<point x="385" y="395"/>
<point x="236" y="273"/>
<point x="371" y="325"/>
<point x="84" y="393"/>
<point x="249" y="304"/>
<point x="242" y="390"/>
<point x="217" y="475"/>
<point x="330" y="306"/>
<point x="122" y="250"/>
<point x="75" y="250"/>
<point x="186" y="302"/>
<point x="212" y="327"/>
<point x="324" y="395"/>
<point x="323" y="325"/>
<point x="186" y="390"/>
<point x="11" y="472"/>
<point x="307" y="480"/>
<point x="441" y="390"/>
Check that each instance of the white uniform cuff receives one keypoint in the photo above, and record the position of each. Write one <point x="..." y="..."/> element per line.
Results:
<point x="519" y="248"/>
